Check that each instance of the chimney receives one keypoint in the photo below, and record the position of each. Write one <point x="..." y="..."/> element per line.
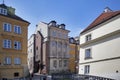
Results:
<point x="107" y="9"/>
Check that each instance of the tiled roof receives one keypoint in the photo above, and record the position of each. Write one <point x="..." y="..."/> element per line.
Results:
<point x="102" y="18"/>
<point x="14" y="17"/>
<point x="3" y="6"/>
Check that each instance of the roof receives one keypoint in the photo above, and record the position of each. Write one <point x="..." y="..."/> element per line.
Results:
<point x="15" y="17"/>
<point x="11" y="15"/>
<point x="3" y="6"/>
<point x="105" y="16"/>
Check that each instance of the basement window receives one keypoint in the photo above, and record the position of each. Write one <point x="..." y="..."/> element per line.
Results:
<point x="16" y="74"/>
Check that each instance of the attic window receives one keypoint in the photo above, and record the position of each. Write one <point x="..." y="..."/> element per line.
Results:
<point x="88" y="37"/>
<point x="3" y="11"/>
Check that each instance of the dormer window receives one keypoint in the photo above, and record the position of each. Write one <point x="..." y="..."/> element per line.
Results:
<point x="52" y="23"/>
<point x="62" y="26"/>
<point x="3" y="11"/>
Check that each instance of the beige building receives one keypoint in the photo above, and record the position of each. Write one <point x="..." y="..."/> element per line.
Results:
<point x="13" y="44"/>
<point x="55" y="46"/>
<point x="100" y="46"/>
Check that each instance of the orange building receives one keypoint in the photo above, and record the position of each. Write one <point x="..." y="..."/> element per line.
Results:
<point x="13" y="44"/>
<point x="74" y="54"/>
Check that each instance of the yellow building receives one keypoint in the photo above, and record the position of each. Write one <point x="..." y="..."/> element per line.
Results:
<point x="13" y="44"/>
<point x="74" y="54"/>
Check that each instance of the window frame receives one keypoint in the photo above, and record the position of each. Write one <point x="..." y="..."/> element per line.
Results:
<point x="17" y="61"/>
<point x="7" y="61"/>
<point x="7" y="43"/>
<point x="60" y="63"/>
<point x="7" y="28"/>
<point x="17" y="29"/>
<point x="3" y="11"/>
<point x="86" y="69"/>
<point x="88" y="53"/>
<point x="65" y="63"/>
<point x="17" y="45"/>
<point x="88" y="37"/>
<point x="55" y="63"/>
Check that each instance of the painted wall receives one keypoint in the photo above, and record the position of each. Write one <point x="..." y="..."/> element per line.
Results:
<point x="43" y="28"/>
<point x="31" y="53"/>
<point x="22" y="69"/>
<point x="104" y="51"/>
<point x="102" y="29"/>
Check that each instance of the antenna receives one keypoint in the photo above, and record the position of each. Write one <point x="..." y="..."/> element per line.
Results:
<point x="3" y="1"/>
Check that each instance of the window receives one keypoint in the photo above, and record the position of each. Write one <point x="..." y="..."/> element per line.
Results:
<point x="65" y="36"/>
<point x="54" y="33"/>
<point x="7" y="27"/>
<point x="59" y="44"/>
<point x="17" y="29"/>
<point x="65" y="63"/>
<point x="60" y="63"/>
<point x="88" y="37"/>
<point x="8" y="60"/>
<point x="31" y="50"/>
<point x="53" y="43"/>
<point x="17" y="45"/>
<point x="72" y="40"/>
<point x="3" y="11"/>
<point x="7" y="43"/>
<point x="17" y="61"/>
<point x="87" y="69"/>
<point x="16" y="74"/>
<point x="87" y="53"/>
<point x="55" y="64"/>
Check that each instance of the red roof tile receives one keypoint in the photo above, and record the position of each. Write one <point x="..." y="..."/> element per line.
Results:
<point x="102" y="18"/>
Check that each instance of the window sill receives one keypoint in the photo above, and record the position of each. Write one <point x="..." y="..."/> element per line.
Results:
<point x="87" y="58"/>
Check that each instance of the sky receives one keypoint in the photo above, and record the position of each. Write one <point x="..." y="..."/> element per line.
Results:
<point x="75" y="14"/>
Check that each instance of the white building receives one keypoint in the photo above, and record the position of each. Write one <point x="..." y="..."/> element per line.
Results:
<point x="31" y="52"/>
<point x="55" y="46"/>
<point x="100" y="46"/>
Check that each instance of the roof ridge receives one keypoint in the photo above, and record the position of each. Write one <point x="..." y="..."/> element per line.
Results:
<point x="101" y="18"/>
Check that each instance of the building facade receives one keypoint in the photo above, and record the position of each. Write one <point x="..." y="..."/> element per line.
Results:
<point x="55" y="44"/>
<point x="74" y="54"/>
<point x="13" y="44"/>
<point x="99" y="46"/>
<point x="31" y="53"/>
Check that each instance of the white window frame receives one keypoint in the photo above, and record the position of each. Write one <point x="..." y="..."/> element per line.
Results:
<point x="17" y="61"/>
<point x="17" y="45"/>
<point x="3" y="11"/>
<point x="17" y="29"/>
<point x="6" y="43"/>
<point x="88" y="37"/>
<point x="86" y="69"/>
<point x="8" y="60"/>
<point x="7" y="27"/>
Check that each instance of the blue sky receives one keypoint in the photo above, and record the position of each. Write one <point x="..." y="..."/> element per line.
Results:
<point x="76" y="14"/>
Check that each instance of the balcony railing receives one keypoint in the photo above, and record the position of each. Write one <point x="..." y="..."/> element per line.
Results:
<point x="77" y="77"/>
